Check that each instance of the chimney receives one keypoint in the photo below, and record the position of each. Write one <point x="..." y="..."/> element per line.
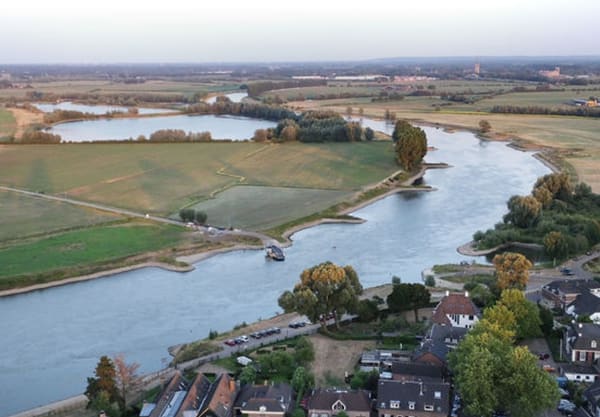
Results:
<point x="231" y="385"/>
<point x="421" y="388"/>
<point x="447" y="293"/>
<point x="467" y="294"/>
<point x="581" y="325"/>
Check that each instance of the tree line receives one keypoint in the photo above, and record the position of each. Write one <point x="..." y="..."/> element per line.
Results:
<point x="565" y="219"/>
<point x="562" y="111"/>
<point x="255" y="89"/>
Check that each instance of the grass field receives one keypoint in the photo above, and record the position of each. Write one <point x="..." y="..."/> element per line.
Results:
<point x="84" y="247"/>
<point x="259" y="208"/>
<point x="23" y="216"/>
<point x="8" y="124"/>
<point x="161" y="178"/>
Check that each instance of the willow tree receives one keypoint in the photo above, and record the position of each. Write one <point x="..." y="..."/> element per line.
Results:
<point x="323" y="289"/>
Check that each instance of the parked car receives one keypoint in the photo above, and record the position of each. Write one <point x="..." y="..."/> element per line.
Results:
<point x="567" y="271"/>
<point x="543" y="356"/>
<point x="566" y="406"/>
<point x="548" y="368"/>
<point x="230" y="342"/>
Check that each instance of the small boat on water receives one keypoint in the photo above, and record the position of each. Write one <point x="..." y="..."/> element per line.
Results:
<point x="275" y="253"/>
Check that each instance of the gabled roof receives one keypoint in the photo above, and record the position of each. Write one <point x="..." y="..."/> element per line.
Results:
<point x="324" y="399"/>
<point x="571" y="286"/>
<point x="592" y="394"/>
<point x="579" y="368"/>
<point x="416" y="370"/>
<point x="421" y="394"/>
<point x="274" y="398"/>
<point x="435" y="347"/>
<point x="196" y="396"/>
<point x="586" y="304"/>
<point x="442" y="333"/>
<point x="221" y="397"/>
<point x="171" y="396"/>
<point x="586" y="335"/>
<point x="453" y="303"/>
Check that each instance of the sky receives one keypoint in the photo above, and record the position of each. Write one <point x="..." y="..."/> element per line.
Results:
<point x="105" y="31"/>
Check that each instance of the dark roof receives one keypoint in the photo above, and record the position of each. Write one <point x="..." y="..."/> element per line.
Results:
<point x="177" y="385"/>
<point x="436" y="394"/>
<point x="592" y="393"/>
<point x="586" y="304"/>
<point x="453" y="303"/>
<point x="275" y="398"/>
<point x="579" y="368"/>
<point x="443" y="333"/>
<point x="353" y="400"/>
<point x="585" y="335"/>
<point x="580" y="412"/>
<point x="220" y="397"/>
<point x="571" y="286"/>
<point x="435" y="347"/>
<point x="197" y="395"/>
<point x="416" y="370"/>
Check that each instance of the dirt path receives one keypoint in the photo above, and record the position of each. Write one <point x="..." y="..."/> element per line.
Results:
<point x="334" y="357"/>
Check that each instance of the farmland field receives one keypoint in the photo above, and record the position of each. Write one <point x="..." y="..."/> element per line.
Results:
<point x="84" y="247"/>
<point x="161" y="178"/>
<point x="258" y="208"/>
<point x="22" y="216"/>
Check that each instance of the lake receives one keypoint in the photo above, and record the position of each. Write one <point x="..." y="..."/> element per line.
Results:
<point x="221" y="127"/>
<point x="52" y="339"/>
<point x="96" y="108"/>
<point x="235" y="97"/>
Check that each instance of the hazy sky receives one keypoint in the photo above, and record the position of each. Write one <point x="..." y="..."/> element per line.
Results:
<point x="99" y="31"/>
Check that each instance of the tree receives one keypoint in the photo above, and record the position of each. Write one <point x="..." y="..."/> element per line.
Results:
<point x="494" y="376"/>
<point x="523" y="211"/>
<point x="525" y="313"/>
<point x="200" y="216"/>
<point x="484" y="126"/>
<point x="103" y="385"/>
<point x="323" y="289"/>
<point x="248" y="375"/>
<point x="556" y="245"/>
<point x="365" y="380"/>
<point x="369" y="134"/>
<point x="187" y="214"/>
<point x="410" y="144"/>
<point x="368" y="310"/>
<point x="260" y="135"/>
<point x="408" y="297"/>
<point x="512" y="270"/>
<point x="302" y="380"/>
<point x="126" y="378"/>
<point x="558" y="185"/>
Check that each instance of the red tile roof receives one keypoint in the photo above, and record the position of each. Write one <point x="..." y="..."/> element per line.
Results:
<point x="453" y="303"/>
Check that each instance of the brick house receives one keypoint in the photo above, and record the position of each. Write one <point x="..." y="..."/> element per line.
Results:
<point x="583" y="342"/>
<point x="329" y="402"/>
<point x="413" y="398"/>
<point x="456" y="309"/>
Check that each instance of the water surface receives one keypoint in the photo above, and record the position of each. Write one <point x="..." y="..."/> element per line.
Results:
<point x="52" y="339"/>
<point x="96" y="108"/>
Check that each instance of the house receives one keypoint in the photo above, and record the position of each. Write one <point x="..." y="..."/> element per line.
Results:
<point x="449" y="335"/>
<point x="579" y="372"/>
<point x="411" y="371"/>
<point x="560" y="293"/>
<point x="433" y="352"/>
<point x="329" y="402"/>
<point x="587" y="304"/>
<point x="413" y="398"/>
<point x="583" y="342"/>
<point x="592" y="395"/>
<point x="264" y="400"/>
<point x="199" y="398"/>
<point x="456" y="309"/>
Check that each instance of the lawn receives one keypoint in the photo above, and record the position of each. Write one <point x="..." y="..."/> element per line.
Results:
<point x="8" y="124"/>
<point x="90" y="246"/>
<point x="161" y="178"/>
<point x="258" y="208"/>
<point x="22" y="216"/>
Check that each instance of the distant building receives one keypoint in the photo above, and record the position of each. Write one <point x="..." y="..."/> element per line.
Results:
<point x="477" y="68"/>
<point x="553" y="74"/>
<point x="561" y="293"/>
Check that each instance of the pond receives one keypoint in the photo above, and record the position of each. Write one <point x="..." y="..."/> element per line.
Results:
<point x="235" y="97"/>
<point x="52" y="339"/>
<point x="96" y="108"/>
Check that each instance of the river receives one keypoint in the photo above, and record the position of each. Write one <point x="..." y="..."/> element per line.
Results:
<point x="52" y="339"/>
<point x="98" y="109"/>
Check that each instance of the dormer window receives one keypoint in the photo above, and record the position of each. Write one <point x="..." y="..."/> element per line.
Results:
<point x="394" y="404"/>
<point x="411" y="405"/>
<point x="437" y="395"/>
<point x="594" y="344"/>
<point x="428" y="407"/>
<point x="338" y="406"/>
<point x="262" y="408"/>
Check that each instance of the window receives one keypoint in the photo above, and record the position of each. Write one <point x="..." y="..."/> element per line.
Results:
<point x="394" y="404"/>
<point x="338" y="406"/>
<point x="428" y="407"/>
<point x="471" y="317"/>
<point x="437" y="395"/>
<point x="594" y="344"/>
<point x="581" y="356"/>
<point x="411" y="405"/>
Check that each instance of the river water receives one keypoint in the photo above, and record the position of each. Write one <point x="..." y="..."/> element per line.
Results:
<point x="52" y="339"/>
<point x="96" y="108"/>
